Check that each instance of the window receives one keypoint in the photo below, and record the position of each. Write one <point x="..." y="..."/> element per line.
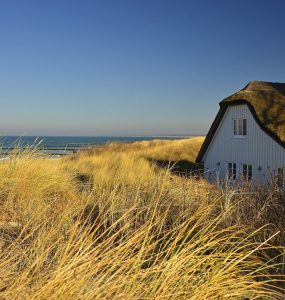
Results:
<point x="232" y="170"/>
<point x="240" y="127"/>
<point x="280" y="177"/>
<point x="247" y="172"/>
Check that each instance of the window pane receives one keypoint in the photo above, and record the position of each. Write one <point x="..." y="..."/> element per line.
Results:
<point x="240" y="127"/>
<point x="230" y="169"/>
<point x="244" y="170"/>
<point x="235" y="127"/>
<point x="249" y="175"/>
<point x="234" y="170"/>
<point x="244" y="127"/>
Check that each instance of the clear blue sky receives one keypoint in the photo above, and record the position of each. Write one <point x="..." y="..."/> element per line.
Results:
<point x="133" y="67"/>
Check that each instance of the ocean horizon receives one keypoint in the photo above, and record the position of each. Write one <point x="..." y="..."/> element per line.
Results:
<point x="63" y="144"/>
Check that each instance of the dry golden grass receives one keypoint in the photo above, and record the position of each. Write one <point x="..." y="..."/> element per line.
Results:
<point x="107" y="224"/>
<point x="174" y="150"/>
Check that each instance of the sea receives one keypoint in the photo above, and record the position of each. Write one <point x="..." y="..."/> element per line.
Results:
<point x="62" y="145"/>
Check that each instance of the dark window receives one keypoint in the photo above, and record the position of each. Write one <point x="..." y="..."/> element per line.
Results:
<point x="244" y="170"/>
<point x="244" y="127"/>
<point x="247" y="172"/>
<point x="232" y="169"/>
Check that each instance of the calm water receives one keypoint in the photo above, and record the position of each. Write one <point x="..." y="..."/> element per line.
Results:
<point x="61" y="144"/>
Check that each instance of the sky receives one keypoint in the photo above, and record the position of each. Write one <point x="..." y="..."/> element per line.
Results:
<point x="131" y="67"/>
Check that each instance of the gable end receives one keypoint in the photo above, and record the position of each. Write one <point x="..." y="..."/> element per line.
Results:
<point x="218" y="119"/>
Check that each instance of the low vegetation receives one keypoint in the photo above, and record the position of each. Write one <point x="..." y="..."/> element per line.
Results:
<point x="112" y="223"/>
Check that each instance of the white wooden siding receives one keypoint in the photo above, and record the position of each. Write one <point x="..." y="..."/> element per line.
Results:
<point x="257" y="148"/>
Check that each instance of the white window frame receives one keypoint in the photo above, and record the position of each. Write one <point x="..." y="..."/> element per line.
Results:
<point x="240" y="128"/>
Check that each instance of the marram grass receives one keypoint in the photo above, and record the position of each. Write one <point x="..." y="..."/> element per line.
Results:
<point x="107" y="224"/>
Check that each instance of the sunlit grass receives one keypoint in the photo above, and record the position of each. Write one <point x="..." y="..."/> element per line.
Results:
<point x="108" y="224"/>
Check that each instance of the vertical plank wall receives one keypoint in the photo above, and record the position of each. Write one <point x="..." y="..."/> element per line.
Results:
<point x="257" y="148"/>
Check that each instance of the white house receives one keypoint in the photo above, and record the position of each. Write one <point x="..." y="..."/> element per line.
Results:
<point x="247" y="137"/>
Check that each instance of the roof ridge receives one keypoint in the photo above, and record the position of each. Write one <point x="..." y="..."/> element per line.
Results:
<point x="265" y="86"/>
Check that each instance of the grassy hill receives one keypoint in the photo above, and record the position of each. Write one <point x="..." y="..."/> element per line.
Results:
<point x="113" y="223"/>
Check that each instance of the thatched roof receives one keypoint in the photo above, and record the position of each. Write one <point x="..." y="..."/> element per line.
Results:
<point x="266" y="100"/>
